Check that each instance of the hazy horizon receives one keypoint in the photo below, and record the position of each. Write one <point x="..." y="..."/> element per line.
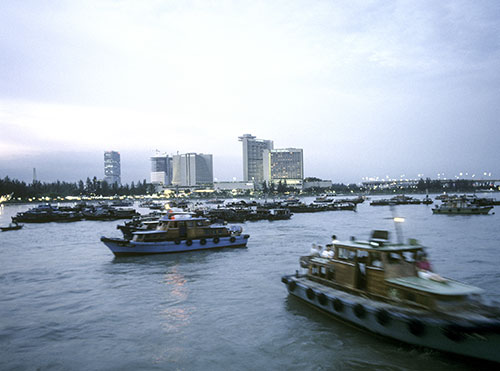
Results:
<point x="365" y="88"/>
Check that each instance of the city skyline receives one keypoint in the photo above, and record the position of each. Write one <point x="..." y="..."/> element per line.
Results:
<point x="384" y="89"/>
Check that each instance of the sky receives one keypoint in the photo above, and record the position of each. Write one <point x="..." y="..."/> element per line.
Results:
<point x="366" y="88"/>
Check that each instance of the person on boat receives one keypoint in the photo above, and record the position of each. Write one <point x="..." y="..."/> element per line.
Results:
<point x="315" y="250"/>
<point x="423" y="264"/>
<point x="327" y="253"/>
<point x="424" y="270"/>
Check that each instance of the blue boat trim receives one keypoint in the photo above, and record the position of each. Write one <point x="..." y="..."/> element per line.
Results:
<point x="121" y="247"/>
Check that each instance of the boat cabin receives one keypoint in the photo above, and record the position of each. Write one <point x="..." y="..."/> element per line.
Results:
<point x="386" y="271"/>
<point x="177" y="227"/>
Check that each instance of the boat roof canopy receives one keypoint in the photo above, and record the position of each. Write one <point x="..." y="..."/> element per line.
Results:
<point x="446" y="288"/>
<point x="376" y="246"/>
<point x="180" y="217"/>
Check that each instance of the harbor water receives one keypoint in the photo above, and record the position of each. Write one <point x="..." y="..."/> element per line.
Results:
<point x="68" y="304"/>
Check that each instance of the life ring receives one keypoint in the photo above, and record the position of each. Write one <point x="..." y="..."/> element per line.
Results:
<point x="232" y="239"/>
<point x="338" y="305"/>
<point x="216" y="240"/>
<point x="292" y="285"/>
<point x="177" y="241"/>
<point x="383" y="317"/>
<point x="359" y="310"/>
<point x="322" y="299"/>
<point x="189" y="242"/>
<point x="453" y="333"/>
<point x="416" y="327"/>
<point x="203" y="241"/>
<point x="310" y="294"/>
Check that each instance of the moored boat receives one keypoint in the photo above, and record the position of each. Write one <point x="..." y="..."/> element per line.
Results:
<point x="388" y="288"/>
<point x="178" y="233"/>
<point x="46" y="213"/>
<point x="461" y="207"/>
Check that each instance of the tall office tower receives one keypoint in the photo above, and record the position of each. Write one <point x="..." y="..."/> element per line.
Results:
<point x="161" y="169"/>
<point x="252" y="157"/>
<point x="192" y="169"/>
<point x="284" y="164"/>
<point x="112" y="167"/>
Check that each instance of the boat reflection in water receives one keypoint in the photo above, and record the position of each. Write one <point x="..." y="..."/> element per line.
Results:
<point x="389" y="289"/>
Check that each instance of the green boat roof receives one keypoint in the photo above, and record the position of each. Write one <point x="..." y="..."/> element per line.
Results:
<point x="446" y="288"/>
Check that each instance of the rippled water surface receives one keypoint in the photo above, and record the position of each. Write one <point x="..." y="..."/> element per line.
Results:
<point x="68" y="304"/>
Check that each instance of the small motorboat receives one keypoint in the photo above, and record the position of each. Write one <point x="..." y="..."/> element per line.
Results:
<point x="12" y="227"/>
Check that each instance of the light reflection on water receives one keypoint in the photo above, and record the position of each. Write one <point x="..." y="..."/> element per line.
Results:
<point x="175" y="314"/>
<point x="67" y="303"/>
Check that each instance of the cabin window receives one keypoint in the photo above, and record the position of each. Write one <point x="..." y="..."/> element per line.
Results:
<point x="346" y="254"/>
<point x="173" y="224"/>
<point x="322" y="272"/>
<point x="409" y="256"/>
<point x="362" y="256"/>
<point x="375" y="259"/>
<point x="314" y="270"/>
<point x="394" y="258"/>
<point x="351" y="255"/>
<point x="190" y="224"/>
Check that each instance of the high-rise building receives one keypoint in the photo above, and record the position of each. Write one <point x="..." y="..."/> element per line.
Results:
<point x="112" y="173"/>
<point x="284" y="165"/>
<point x="252" y="157"/>
<point x="192" y="169"/>
<point x="161" y="169"/>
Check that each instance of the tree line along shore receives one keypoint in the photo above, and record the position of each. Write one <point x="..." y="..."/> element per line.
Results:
<point x="21" y="191"/>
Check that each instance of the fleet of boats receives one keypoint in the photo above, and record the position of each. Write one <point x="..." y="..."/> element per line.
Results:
<point x="389" y="289"/>
<point x="385" y="287"/>
<point x="46" y="213"/>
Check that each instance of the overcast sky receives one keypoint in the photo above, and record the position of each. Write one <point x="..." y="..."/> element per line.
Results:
<point x="366" y="88"/>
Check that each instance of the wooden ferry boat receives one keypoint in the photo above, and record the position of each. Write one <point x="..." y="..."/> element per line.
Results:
<point x="385" y="288"/>
<point x="178" y="233"/>
<point x="461" y="207"/>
